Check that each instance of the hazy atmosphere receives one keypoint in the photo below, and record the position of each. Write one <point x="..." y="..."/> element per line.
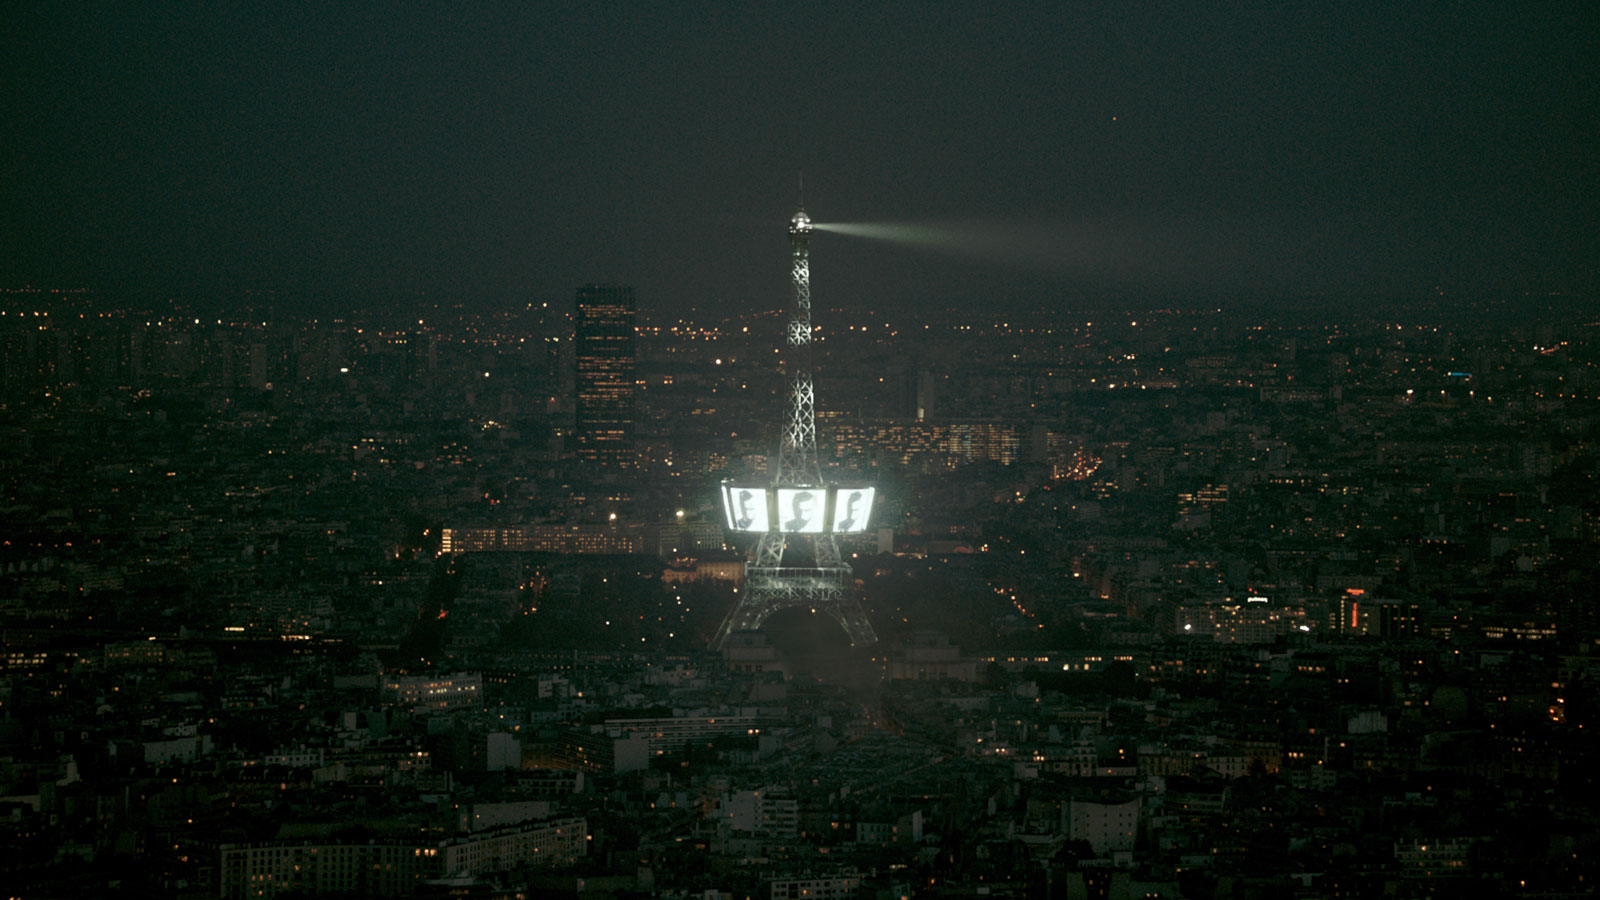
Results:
<point x="363" y="150"/>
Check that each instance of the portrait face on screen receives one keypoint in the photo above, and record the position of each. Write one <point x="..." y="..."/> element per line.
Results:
<point x="746" y="508"/>
<point x="851" y="510"/>
<point x="800" y="511"/>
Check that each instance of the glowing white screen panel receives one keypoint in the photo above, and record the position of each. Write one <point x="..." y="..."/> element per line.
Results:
<point x="746" y="508"/>
<point x="851" y="509"/>
<point x="800" y="510"/>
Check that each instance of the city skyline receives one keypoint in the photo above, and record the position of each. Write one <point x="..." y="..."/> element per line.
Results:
<point x="414" y="483"/>
<point x="1177" y="599"/>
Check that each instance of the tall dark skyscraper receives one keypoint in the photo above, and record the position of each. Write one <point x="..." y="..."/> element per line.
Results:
<point x="603" y="331"/>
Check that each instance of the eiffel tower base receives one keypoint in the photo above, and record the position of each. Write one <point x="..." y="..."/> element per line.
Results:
<point x="768" y="590"/>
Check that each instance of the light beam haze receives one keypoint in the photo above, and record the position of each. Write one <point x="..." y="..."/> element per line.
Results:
<point x="1172" y="252"/>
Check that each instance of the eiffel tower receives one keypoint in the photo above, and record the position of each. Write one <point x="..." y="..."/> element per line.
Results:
<point x="796" y="561"/>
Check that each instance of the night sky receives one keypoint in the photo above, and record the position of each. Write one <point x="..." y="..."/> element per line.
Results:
<point x="1054" y="153"/>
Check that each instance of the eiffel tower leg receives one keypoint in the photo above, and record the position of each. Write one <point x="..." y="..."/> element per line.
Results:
<point x="746" y="615"/>
<point x="848" y="613"/>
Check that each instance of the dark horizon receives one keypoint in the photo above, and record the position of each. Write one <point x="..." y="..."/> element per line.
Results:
<point x="355" y="155"/>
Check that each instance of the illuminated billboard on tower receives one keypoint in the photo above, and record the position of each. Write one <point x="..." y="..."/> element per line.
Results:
<point x="799" y="509"/>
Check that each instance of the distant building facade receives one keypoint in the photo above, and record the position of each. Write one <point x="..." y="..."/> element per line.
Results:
<point x="1107" y="826"/>
<point x="577" y="538"/>
<point x="391" y="868"/>
<point x="929" y="656"/>
<point x="434" y="693"/>
<point x="932" y="446"/>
